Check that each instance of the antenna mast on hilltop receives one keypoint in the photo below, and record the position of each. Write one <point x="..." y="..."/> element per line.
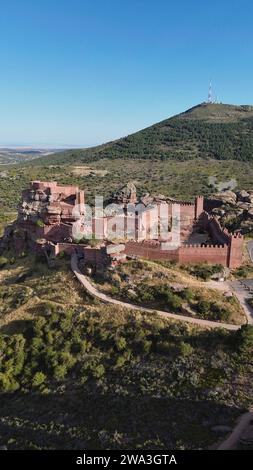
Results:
<point x="211" y="99"/>
<point x="210" y="94"/>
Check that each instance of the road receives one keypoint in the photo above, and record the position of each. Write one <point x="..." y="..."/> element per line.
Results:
<point x="105" y="298"/>
<point x="231" y="442"/>
<point x="250" y="249"/>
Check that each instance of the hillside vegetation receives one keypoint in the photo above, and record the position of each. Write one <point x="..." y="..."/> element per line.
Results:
<point x="106" y="381"/>
<point x="164" y="286"/>
<point x="77" y="374"/>
<point x="219" y="131"/>
<point x="169" y="177"/>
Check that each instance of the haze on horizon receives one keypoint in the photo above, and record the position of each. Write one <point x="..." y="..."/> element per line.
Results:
<point x="83" y="73"/>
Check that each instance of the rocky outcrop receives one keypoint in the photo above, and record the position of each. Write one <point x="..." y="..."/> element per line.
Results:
<point x="126" y="195"/>
<point x="234" y="209"/>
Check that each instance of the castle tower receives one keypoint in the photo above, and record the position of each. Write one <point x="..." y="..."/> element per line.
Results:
<point x="235" y="251"/>
<point x="199" y="206"/>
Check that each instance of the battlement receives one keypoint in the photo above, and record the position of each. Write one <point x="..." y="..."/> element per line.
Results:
<point x="237" y="235"/>
<point x="183" y="203"/>
<point x="202" y="246"/>
<point x="52" y="206"/>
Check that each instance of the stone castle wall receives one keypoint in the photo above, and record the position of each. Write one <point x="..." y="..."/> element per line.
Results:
<point x="53" y="205"/>
<point x="228" y="252"/>
<point x="183" y="254"/>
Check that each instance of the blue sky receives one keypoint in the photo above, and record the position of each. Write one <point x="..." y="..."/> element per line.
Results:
<point x="83" y="72"/>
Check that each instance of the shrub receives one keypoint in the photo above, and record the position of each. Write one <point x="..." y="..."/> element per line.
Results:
<point x="146" y="346"/>
<point x="120" y="362"/>
<point x="114" y="290"/>
<point x="40" y="223"/>
<point x="98" y="371"/>
<point x="121" y="343"/>
<point x="185" y="349"/>
<point x="8" y="383"/>
<point x="212" y="310"/>
<point x="164" y="347"/>
<point x="60" y="372"/>
<point x="204" y="270"/>
<point x="3" y="261"/>
<point x="38" y="379"/>
<point x="245" y="339"/>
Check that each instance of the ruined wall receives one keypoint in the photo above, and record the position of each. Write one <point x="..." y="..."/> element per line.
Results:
<point x="54" y="188"/>
<point x="55" y="233"/>
<point x="94" y="256"/>
<point x="190" y="210"/>
<point x="219" y="235"/>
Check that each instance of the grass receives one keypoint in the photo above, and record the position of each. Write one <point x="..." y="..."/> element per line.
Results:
<point x="170" y="178"/>
<point x="28" y="286"/>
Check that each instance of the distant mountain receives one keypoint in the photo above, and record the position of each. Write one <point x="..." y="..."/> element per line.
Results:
<point x="217" y="131"/>
<point x="22" y="154"/>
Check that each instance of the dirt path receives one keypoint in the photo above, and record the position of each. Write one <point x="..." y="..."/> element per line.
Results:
<point x="242" y="293"/>
<point x="105" y="298"/>
<point x="232" y="440"/>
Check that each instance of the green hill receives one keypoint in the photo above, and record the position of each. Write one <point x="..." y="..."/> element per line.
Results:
<point x="217" y="131"/>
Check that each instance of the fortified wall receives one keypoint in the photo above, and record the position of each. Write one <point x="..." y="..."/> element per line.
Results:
<point x="47" y="214"/>
<point x="226" y="248"/>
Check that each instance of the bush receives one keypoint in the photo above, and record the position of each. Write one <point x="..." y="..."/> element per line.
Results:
<point x="164" y="347"/>
<point x="245" y="339"/>
<point x="38" y="379"/>
<point x="98" y="371"/>
<point x="204" y="270"/>
<point x="120" y="362"/>
<point x="8" y="383"/>
<point x="3" y="261"/>
<point x="163" y="295"/>
<point x="186" y="349"/>
<point x="121" y="343"/>
<point x="211" y="310"/>
<point x="60" y="372"/>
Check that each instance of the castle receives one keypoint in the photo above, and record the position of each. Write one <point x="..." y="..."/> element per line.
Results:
<point x="48" y="213"/>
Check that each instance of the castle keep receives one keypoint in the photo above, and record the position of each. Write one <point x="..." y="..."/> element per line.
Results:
<point x="48" y="212"/>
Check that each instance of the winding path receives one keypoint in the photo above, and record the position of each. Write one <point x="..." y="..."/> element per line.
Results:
<point x="250" y="249"/>
<point x="243" y="291"/>
<point x="105" y="298"/>
<point x="233" y="439"/>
